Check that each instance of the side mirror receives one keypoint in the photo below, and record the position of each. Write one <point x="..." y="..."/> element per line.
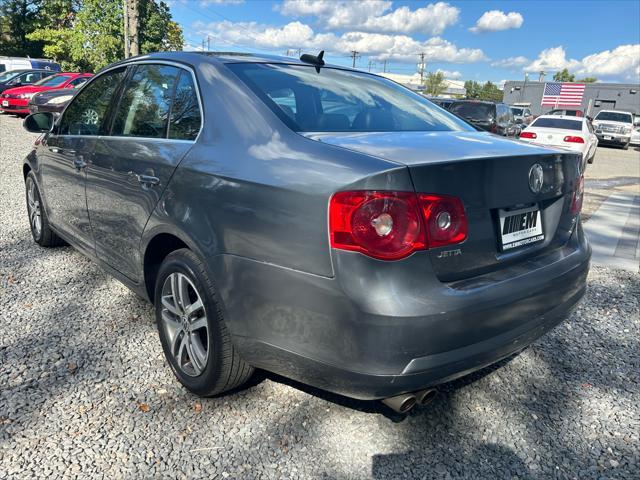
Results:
<point x="39" y="122"/>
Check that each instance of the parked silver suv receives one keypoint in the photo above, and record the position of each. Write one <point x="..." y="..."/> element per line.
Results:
<point x="613" y="127"/>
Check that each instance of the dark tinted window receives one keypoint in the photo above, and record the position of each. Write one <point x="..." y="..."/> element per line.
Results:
<point x="473" y="110"/>
<point x="78" y="81"/>
<point x="557" y="123"/>
<point x="144" y="108"/>
<point x="185" y="111"/>
<point x="335" y="100"/>
<point x="517" y="111"/>
<point x="86" y="113"/>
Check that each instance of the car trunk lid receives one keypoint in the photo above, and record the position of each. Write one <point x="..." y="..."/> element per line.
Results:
<point x="491" y="175"/>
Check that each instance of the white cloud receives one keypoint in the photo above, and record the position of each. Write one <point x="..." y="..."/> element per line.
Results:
<point x="400" y="48"/>
<point x="511" y="62"/>
<point x="451" y="75"/>
<point x="495" y="20"/>
<point x="374" y="15"/>
<point x="552" y="59"/>
<point x="621" y="63"/>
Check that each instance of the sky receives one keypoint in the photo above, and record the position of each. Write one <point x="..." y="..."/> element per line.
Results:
<point x="468" y="40"/>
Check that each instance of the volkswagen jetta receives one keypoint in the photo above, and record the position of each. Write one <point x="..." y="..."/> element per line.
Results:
<point x="315" y="221"/>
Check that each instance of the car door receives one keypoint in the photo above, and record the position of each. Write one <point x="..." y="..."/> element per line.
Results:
<point x="66" y="154"/>
<point x="153" y="126"/>
<point x="593" y="140"/>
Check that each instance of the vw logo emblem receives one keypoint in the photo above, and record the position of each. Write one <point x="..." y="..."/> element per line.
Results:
<point x="536" y="178"/>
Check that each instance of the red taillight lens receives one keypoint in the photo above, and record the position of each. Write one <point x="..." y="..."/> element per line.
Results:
<point x="578" y="196"/>
<point x="572" y="139"/>
<point x="445" y="219"/>
<point x="392" y="225"/>
<point x="528" y="135"/>
<point x="494" y="128"/>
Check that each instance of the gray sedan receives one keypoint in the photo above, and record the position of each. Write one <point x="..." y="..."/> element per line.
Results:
<point x="315" y="221"/>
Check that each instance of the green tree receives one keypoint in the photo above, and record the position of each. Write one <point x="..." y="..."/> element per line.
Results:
<point x="564" y="76"/>
<point x="472" y="88"/>
<point x="89" y="34"/>
<point x="491" y="92"/>
<point x="587" y="80"/>
<point x="435" y="84"/>
<point x="18" y="18"/>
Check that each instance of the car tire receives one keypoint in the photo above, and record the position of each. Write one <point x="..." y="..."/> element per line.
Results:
<point x="192" y="330"/>
<point x="37" y="214"/>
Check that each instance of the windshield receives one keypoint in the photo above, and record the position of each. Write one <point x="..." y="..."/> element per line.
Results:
<point x="561" y="123"/>
<point x="6" y="76"/>
<point x="614" y="117"/>
<point x="472" y="110"/>
<point x="516" y="111"/>
<point x="52" y="81"/>
<point x="335" y="100"/>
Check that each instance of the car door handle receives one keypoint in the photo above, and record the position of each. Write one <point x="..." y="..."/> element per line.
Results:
<point x="147" y="180"/>
<point x="79" y="163"/>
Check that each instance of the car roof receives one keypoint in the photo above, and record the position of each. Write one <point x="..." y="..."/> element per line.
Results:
<point x="615" y="111"/>
<point x="194" y="58"/>
<point x="471" y="100"/>
<point x="566" y="117"/>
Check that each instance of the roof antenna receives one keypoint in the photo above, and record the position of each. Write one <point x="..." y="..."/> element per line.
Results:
<point x="316" y="60"/>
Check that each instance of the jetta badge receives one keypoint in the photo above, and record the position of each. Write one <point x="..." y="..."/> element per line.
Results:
<point x="536" y="178"/>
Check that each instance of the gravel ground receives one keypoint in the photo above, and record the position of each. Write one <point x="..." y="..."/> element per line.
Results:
<point x="85" y="391"/>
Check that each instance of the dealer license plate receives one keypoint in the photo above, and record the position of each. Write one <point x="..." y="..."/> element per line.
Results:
<point x="607" y="137"/>
<point x="520" y="227"/>
<point x="5" y="103"/>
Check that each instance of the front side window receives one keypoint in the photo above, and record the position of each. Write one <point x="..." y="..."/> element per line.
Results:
<point x="78" y="82"/>
<point x="145" y="105"/>
<point x="185" y="120"/>
<point x="335" y="100"/>
<point x="86" y="113"/>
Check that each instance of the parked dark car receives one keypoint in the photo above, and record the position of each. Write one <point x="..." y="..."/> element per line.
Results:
<point x="376" y="252"/>
<point x="52" y="101"/>
<point x="442" y="102"/>
<point x="489" y="116"/>
<point x="20" y="78"/>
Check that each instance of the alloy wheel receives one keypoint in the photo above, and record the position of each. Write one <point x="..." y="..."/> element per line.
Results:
<point x="33" y="207"/>
<point x="185" y="322"/>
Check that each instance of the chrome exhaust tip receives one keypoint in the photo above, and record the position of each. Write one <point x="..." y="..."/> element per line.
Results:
<point x="425" y="397"/>
<point x="401" y="403"/>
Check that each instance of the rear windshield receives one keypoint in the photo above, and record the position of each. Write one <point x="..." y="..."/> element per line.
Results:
<point x="561" y="123"/>
<point x="473" y="111"/>
<point x="52" y="81"/>
<point x="614" y="117"/>
<point x="335" y="100"/>
<point x="516" y="111"/>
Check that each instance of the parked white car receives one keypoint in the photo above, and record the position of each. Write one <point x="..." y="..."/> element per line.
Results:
<point x="613" y="127"/>
<point x="574" y="133"/>
<point x="635" y="136"/>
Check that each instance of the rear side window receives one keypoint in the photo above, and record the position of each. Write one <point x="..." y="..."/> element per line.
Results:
<point x="473" y="111"/>
<point x="185" y="120"/>
<point x="561" y="123"/>
<point x="54" y="81"/>
<point x="87" y="111"/>
<point x="144" y="106"/>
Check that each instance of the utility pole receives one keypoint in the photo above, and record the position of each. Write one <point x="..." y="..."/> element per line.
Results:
<point x="127" y="47"/>
<point x="354" y="55"/>
<point x="422" y="68"/>
<point x="208" y="43"/>
<point x="384" y="66"/>
<point x="541" y="76"/>
<point x="203" y="41"/>
<point x="131" y="41"/>
<point x="371" y="63"/>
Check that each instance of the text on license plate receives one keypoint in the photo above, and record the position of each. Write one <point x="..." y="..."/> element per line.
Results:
<point x="5" y="103"/>
<point x="520" y="227"/>
<point x="607" y="137"/>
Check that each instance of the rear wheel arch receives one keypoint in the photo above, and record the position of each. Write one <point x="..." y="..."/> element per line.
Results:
<point x="157" y="249"/>
<point x="26" y="168"/>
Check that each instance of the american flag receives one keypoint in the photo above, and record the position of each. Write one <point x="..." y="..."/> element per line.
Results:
<point x="563" y="94"/>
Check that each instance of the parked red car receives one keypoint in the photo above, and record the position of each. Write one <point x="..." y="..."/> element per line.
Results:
<point x="16" y="100"/>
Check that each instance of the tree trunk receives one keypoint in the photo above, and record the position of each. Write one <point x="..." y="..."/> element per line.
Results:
<point x="132" y="14"/>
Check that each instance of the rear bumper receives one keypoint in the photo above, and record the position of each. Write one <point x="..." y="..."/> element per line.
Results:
<point x="614" y="139"/>
<point x="372" y="334"/>
<point x="15" y="106"/>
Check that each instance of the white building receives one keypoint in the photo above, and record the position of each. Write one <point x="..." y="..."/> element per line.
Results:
<point x="454" y="87"/>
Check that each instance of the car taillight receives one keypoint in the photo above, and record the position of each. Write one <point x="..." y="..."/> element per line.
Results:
<point x="528" y="135"/>
<point x="573" y="139"/>
<point x="578" y="196"/>
<point x="494" y="128"/>
<point x="392" y="225"/>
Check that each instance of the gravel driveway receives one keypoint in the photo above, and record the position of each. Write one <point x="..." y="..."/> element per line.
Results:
<point x="85" y="391"/>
